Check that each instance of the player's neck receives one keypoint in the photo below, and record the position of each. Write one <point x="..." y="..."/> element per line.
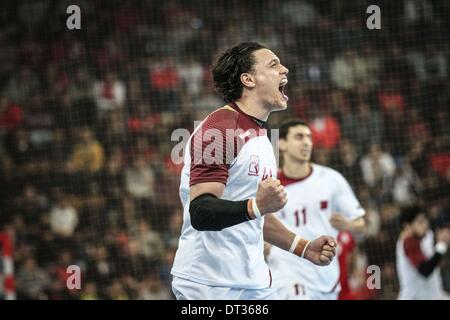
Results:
<point x="297" y="170"/>
<point x="252" y="108"/>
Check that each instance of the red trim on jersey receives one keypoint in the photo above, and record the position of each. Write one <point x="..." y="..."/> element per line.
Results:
<point x="347" y="244"/>
<point x="413" y="251"/>
<point x="285" y="180"/>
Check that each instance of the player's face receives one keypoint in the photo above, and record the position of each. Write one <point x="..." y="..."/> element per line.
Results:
<point x="270" y="78"/>
<point x="420" y="225"/>
<point x="298" y="144"/>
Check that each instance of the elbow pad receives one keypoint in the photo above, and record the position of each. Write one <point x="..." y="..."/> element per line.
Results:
<point x="209" y="213"/>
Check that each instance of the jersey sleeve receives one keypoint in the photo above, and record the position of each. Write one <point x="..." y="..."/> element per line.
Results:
<point x="345" y="200"/>
<point x="211" y="151"/>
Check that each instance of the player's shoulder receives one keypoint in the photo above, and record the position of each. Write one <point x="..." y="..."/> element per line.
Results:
<point x="322" y="171"/>
<point x="411" y="243"/>
<point x="221" y="119"/>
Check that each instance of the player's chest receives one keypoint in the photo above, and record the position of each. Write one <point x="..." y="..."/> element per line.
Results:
<point x="307" y="205"/>
<point x="255" y="162"/>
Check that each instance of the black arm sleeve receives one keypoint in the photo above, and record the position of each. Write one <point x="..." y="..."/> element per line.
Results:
<point x="209" y="213"/>
<point x="426" y="268"/>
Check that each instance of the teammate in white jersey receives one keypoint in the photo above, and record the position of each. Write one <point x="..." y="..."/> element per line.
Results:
<point x="418" y="257"/>
<point x="229" y="188"/>
<point x="320" y="202"/>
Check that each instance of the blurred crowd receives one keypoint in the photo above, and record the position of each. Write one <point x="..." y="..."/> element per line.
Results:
<point x="86" y="118"/>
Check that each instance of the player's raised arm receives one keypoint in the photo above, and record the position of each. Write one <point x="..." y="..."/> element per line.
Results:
<point x="320" y="251"/>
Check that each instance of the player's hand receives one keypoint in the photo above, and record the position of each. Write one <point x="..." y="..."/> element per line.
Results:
<point x="270" y="196"/>
<point x="443" y="235"/>
<point x="321" y="251"/>
<point x="338" y="221"/>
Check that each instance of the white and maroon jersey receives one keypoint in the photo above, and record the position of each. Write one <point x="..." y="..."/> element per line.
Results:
<point x="234" y="256"/>
<point x="411" y="251"/>
<point x="311" y="202"/>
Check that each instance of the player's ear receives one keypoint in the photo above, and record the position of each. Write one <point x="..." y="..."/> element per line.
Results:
<point x="248" y="80"/>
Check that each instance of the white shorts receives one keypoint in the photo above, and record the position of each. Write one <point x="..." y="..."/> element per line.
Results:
<point x="184" y="289"/>
<point x="293" y="290"/>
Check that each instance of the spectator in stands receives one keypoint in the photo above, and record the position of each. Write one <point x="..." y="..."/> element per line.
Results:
<point x="378" y="167"/>
<point x="21" y="84"/>
<point x="100" y="267"/>
<point x="31" y="204"/>
<point x="87" y="155"/>
<point x="63" y="218"/>
<point x="363" y="127"/>
<point x="59" y="152"/>
<point x="32" y="280"/>
<point x="314" y="70"/>
<point x="406" y="185"/>
<point x="109" y="94"/>
<point x="89" y="292"/>
<point x="11" y="115"/>
<point x="140" y="179"/>
<point x="165" y="82"/>
<point x="116" y="291"/>
<point x="440" y="126"/>
<point x="191" y="74"/>
<point x="82" y="97"/>
<point x="150" y="242"/>
<point x="347" y="161"/>
<point x="348" y="69"/>
<point x="325" y="129"/>
<point x="152" y="289"/>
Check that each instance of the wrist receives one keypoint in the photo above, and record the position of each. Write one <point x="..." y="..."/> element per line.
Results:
<point x="252" y="209"/>
<point x="299" y="246"/>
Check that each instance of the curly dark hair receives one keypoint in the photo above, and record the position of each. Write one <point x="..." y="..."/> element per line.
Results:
<point x="229" y="67"/>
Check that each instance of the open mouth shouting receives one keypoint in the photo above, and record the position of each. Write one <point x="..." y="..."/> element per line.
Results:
<point x="281" y="89"/>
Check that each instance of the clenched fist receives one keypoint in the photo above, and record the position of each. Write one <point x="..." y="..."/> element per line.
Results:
<point x="270" y="196"/>
<point x="321" y="251"/>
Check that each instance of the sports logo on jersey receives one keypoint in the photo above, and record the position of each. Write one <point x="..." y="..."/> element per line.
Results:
<point x="253" y="168"/>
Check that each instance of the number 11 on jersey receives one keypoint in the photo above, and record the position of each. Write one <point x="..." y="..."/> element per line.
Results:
<point x="300" y="220"/>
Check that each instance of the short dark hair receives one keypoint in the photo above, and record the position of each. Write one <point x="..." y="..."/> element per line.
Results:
<point x="408" y="214"/>
<point x="285" y="126"/>
<point x="229" y="67"/>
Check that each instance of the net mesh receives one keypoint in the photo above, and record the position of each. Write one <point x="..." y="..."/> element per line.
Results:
<point x="86" y="118"/>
